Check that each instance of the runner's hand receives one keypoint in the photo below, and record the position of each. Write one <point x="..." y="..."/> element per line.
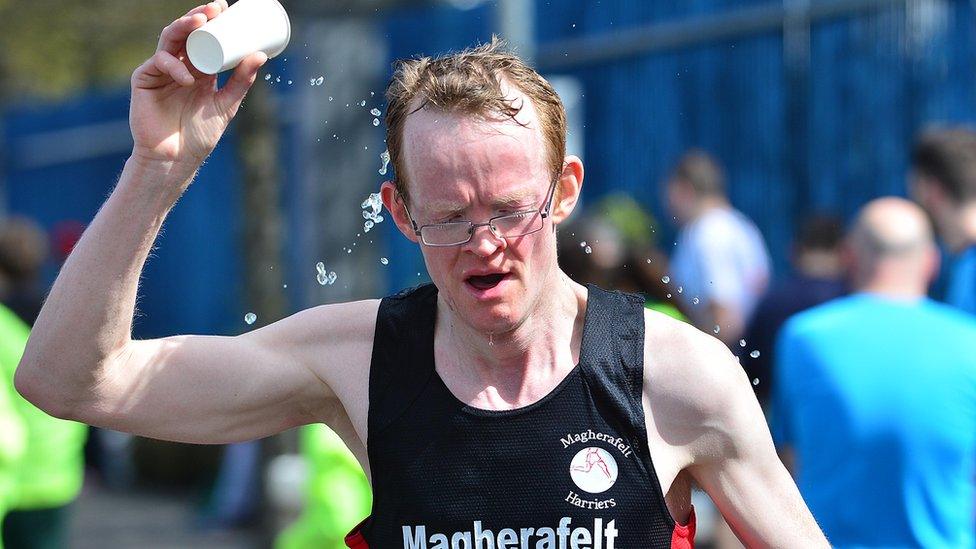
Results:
<point x="177" y="114"/>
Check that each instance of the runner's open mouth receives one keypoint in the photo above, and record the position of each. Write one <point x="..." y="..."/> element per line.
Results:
<point x="486" y="282"/>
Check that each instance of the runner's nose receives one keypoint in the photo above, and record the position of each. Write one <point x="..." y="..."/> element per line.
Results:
<point x="484" y="242"/>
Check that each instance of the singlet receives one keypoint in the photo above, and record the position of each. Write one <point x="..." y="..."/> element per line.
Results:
<point x="570" y="471"/>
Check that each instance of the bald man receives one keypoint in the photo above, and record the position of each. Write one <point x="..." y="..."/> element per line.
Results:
<point x="875" y="395"/>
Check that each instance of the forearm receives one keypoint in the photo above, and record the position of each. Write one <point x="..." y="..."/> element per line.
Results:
<point x="87" y="317"/>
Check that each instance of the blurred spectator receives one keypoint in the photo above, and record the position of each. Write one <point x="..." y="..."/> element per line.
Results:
<point x="720" y="260"/>
<point x="51" y="472"/>
<point x="23" y="250"/>
<point x="13" y="436"/>
<point x="613" y="246"/>
<point x="943" y="182"/>
<point x="337" y="495"/>
<point x="818" y="276"/>
<point x="875" y="396"/>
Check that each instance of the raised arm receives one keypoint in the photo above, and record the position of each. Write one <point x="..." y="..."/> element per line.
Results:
<point x="710" y="415"/>
<point x="81" y="362"/>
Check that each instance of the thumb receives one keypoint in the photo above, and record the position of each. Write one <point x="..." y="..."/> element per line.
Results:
<point x="229" y="97"/>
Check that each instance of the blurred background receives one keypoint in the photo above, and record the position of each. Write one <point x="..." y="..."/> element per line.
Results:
<point x="809" y="106"/>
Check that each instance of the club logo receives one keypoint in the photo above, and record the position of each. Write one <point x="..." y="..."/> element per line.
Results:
<point x="593" y="470"/>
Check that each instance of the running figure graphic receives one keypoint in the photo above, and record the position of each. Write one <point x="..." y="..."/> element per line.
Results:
<point x="593" y="457"/>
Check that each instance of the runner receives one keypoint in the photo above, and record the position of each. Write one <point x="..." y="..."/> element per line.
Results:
<point x="468" y="401"/>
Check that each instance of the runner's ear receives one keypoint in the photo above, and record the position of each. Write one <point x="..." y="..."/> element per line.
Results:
<point x="568" y="188"/>
<point x="397" y="207"/>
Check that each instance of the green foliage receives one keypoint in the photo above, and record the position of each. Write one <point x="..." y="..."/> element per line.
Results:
<point x="52" y="48"/>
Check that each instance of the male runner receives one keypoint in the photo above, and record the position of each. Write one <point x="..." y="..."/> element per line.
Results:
<point x="467" y="401"/>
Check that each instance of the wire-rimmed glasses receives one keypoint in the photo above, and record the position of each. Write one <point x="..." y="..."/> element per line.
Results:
<point x="457" y="233"/>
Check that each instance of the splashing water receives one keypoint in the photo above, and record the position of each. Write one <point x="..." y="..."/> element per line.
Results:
<point x="666" y="279"/>
<point x="755" y="382"/>
<point x="376" y="121"/>
<point x="384" y="261"/>
<point x="583" y="244"/>
<point x="372" y="207"/>
<point x="375" y="112"/>
<point x="588" y="250"/>
<point x="680" y="289"/>
<point x="695" y="301"/>
<point x="385" y="158"/>
<point x="717" y="329"/>
<point x="754" y="354"/>
<point x="249" y="318"/>
<point x="267" y="77"/>
<point x="742" y="343"/>
<point x="362" y="103"/>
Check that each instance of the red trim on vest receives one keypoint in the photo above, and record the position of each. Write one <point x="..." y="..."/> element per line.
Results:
<point x="355" y="539"/>
<point x="683" y="536"/>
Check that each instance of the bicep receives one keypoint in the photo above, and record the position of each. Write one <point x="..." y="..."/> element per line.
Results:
<point x="215" y="389"/>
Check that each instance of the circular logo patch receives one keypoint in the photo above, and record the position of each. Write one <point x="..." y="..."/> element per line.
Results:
<point x="594" y="470"/>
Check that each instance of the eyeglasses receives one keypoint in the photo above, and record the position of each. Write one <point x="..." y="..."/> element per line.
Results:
<point x="456" y="233"/>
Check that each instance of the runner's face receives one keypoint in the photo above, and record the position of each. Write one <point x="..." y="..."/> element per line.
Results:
<point x="463" y="168"/>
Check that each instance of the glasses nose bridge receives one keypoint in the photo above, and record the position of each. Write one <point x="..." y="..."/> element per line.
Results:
<point x="491" y="229"/>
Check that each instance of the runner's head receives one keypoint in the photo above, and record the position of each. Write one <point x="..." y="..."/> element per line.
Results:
<point x="472" y="136"/>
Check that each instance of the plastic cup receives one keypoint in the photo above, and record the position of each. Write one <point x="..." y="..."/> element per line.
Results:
<point x="246" y="27"/>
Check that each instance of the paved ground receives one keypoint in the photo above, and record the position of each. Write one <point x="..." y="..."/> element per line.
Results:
<point x="144" y="519"/>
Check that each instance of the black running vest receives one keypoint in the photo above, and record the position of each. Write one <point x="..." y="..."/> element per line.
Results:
<point x="570" y="471"/>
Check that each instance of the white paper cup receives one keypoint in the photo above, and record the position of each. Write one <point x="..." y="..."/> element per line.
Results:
<point x="246" y="27"/>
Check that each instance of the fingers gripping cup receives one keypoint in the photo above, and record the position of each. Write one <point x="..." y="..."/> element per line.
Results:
<point x="246" y="27"/>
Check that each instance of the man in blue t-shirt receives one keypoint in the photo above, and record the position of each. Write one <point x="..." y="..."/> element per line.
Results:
<point x="874" y="403"/>
<point x="943" y="182"/>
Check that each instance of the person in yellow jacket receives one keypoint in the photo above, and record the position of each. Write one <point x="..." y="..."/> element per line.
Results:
<point x="51" y="469"/>
<point x="337" y="495"/>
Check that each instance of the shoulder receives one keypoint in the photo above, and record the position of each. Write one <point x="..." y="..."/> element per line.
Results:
<point x="691" y="379"/>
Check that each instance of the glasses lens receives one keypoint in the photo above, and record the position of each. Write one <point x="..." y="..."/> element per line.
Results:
<point x="446" y="234"/>
<point x="518" y="224"/>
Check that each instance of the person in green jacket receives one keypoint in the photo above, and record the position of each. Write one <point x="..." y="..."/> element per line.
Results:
<point x="337" y="494"/>
<point x="13" y="436"/>
<point x="49" y="473"/>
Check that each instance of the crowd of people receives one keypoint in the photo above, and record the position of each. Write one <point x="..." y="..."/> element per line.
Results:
<point x="466" y="389"/>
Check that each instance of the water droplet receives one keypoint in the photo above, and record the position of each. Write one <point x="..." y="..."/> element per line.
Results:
<point x="375" y="112"/>
<point x="665" y="279"/>
<point x="318" y="81"/>
<point x="583" y="244"/>
<point x="385" y="158"/>
<point x="333" y="276"/>
<point x="320" y="267"/>
<point x="330" y="98"/>
<point x="372" y="207"/>
<point x="648" y="261"/>
<point x="249" y="318"/>
<point x="376" y="121"/>
<point x="322" y="278"/>
<point x="384" y="261"/>
<point x="695" y="301"/>
<point x="742" y="343"/>
<point x="284" y="286"/>
<point x="754" y="354"/>
<point x="367" y="226"/>
<point x="588" y="250"/>
<point x="669" y="296"/>
<point x="278" y="79"/>
<point x="362" y="103"/>
<point x="717" y="329"/>
<point x="267" y="76"/>
<point x="680" y="289"/>
<point x="289" y="82"/>
<point x="755" y="381"/>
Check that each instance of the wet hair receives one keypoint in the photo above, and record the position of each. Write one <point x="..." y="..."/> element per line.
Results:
<point x="469" y="82"/>
<point x="702" y="172"/>
<point x="948" y="157"/>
